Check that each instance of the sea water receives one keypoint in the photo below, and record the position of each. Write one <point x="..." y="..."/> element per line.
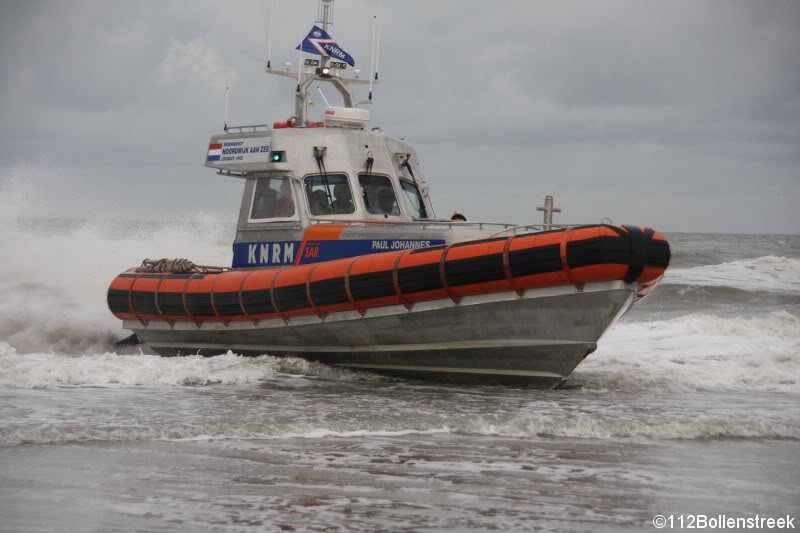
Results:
<point x="691" y="405"/>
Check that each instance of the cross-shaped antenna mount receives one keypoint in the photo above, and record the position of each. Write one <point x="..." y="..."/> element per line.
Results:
<point x="548" y="211"/>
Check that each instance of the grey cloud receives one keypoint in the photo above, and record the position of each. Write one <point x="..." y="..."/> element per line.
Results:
<point x="677" y="114"/>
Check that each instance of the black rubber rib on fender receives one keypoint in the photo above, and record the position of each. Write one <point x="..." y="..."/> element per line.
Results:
<point x="118" y="301"/>
<point x="658" y="253"/>
<point x="144" y="302"/>
<point x="639" y="241"/>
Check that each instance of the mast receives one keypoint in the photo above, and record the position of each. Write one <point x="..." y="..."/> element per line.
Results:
<point x="326" y="6"/>
<point x="548" y="211"/>
<point x="311" y="71"/>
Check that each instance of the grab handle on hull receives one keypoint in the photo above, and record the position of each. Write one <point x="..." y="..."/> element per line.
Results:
<point x="214" y="304"/>
<point x="183" y="299"/>
<point x="272" y="296"/>
<point x="396" y="279"/>
<point x="348" y="291"/>
<point x="565" y="259"/>
<point x="443" y="275"/>
<point x="311" y="303"/>
<point x="130" y="300"/>
<point x="507" y="267"/>
<point x="241" y="298"/>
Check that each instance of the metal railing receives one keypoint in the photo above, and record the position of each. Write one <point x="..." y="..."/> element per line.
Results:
<point x="252" y="128"/>
<point x="448" y="224"/>
<point x="423" y="224"/>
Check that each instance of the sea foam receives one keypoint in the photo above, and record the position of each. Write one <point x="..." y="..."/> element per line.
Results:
<point x="692" y="352"/>
<point x="539" y="424"/>
<point x="698" y="352"/>
<point x="767" y="273"/>
<point x="54" y="283"/>
<point x="104" y="369"/>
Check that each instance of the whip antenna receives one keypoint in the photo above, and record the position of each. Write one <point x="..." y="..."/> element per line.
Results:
<point x="300" y="48"/>
<point x="269" y="35"/>
<point x="372" y="57"/>
<point x="227" y="92"/>
<point x="299" y="53"/>
<point x="378" y="39"/>
<point x="323" y="97"/>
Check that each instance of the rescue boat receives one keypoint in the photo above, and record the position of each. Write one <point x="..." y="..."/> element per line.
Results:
<point x="373" y="280"/>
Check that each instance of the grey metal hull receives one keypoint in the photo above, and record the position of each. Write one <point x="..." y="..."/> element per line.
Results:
<point x="538" y="338"/>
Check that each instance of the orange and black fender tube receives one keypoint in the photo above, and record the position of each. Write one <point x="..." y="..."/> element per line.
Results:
<point x="573" y="256"/>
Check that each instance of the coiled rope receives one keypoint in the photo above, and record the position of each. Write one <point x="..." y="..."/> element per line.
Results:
<point x="167" y="265"/>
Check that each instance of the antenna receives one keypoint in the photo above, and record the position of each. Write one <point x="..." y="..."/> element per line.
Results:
<point x="305" y="74"/>
<point x="299" y="51"/>
<point x="548" y="211"/>
<point x="325" y="14"/>
<point x="323" y="97"/>
<point x="378" y="43"/>
<point x="269" y="35"/>
<point x="227" y="92"/>
<point x="301" y="94"/>
<point x="372" y="57"/>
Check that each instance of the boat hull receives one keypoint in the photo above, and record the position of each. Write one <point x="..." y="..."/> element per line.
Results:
<point x="537" y="338"/>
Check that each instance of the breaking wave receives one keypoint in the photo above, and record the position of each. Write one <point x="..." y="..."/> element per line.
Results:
<point x="54" y="283"/>
<point x="637" y="360"/>
<point x="55" y="332"/>
<point x="692" y="352"/>
<point x="698" y="352"/>
<point x="53" y="369"/>
<point x="568" y="424"/>
<point x="767" y="273"/>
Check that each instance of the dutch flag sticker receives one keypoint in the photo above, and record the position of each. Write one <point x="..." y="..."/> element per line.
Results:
<point x="214" y="151"/>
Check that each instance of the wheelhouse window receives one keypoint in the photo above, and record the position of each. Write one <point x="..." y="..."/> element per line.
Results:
<point x="272" y="199"/>
<point x="378" y="194"/>
<point x="329" y="194"/>
<point x="413" y="198"/>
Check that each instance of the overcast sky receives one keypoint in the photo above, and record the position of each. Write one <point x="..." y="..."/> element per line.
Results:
<point x="681" y="115"/>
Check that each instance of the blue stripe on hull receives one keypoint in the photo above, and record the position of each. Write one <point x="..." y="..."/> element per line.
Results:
<point x="280" y="253"/>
